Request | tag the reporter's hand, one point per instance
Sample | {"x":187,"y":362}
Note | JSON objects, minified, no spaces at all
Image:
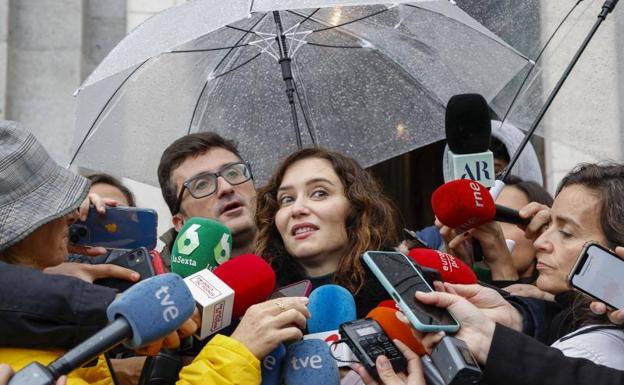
{"x":495,"y":252}
{"x":531,"y":291}
{"x":456,"y":244}
{"x":172,"y":340}
{"x":128,"y":370}
{"x":477,"y":330}
{"x":99,"y":202}
{"x":615,"y":316}
{"x":488,"y":301}
{"x":387,"y":376}
{"x":90,"y":273}
{"x":539,"y":215}
{"x":267,"y":324}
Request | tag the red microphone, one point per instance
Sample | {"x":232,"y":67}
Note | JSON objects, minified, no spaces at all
{"x":251,"y":278}
{"x":390,"y":303}
{"x":465,"y":204}
{"x":386,"y":317}
{"x":451,"y":269}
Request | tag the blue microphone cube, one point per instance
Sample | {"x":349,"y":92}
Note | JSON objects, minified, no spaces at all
{"x":153,"y":308}
{"x":309,"y":363}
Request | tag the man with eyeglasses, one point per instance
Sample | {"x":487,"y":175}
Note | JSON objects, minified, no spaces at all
{"x":203,"y":175}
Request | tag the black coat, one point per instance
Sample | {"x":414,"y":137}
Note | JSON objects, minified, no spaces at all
{"x":517,"y":359}
{"x":47,"y":311}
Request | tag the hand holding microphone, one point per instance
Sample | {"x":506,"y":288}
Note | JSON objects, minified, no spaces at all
{"x":265,"y":325}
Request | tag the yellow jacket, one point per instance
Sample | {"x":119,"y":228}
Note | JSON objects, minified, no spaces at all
{"x":223,"y":361}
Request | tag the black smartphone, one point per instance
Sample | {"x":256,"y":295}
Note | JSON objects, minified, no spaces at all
{"x":297,"y":289}
{"x":599,"y":273}
{"x":401,"y":279}
{"x":138,"y":260}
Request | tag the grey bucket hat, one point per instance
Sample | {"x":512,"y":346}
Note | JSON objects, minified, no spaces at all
{"x":34,"y":189}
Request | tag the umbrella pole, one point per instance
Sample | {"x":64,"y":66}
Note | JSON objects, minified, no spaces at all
{"x":607,"y":7}
{"x":285,"y":65}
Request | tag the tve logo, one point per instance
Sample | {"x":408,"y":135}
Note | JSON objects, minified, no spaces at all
{"x":170,"y":311}
{"x":298,"y":363}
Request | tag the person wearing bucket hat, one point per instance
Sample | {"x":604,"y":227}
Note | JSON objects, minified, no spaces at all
{"x":38,"y":202}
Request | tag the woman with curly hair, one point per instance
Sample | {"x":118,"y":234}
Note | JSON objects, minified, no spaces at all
{"x":317,"y":215}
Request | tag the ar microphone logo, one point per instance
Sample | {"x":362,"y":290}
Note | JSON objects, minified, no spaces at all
{"x":480,"y":167}
{"x":189,"y":241}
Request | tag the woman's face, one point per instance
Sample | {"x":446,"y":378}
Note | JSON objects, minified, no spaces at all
{"x":574,"y":220}
{"x":312,"y":212}
{"x":523,"y":254}
{"x":46,"y":246}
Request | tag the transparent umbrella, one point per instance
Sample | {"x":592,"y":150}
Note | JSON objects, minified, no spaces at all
{"x":366,"y":79}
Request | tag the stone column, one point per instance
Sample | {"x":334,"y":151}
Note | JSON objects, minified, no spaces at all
{"x":4,"y":35}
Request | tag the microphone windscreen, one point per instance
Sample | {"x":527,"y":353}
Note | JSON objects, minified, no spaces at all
{"x":463,"y":204}
{"x":467,"y":124}
{"x":251,"y":278}
{"x":272,"y":365}
{"x":390,"y":303}
{"x":451,"y":269}
{"x":153,"y":307}
{"x":330,"y":306}
{"x":396,"y":329}
{"x":309,"y":363}
{"x":201,"y":243}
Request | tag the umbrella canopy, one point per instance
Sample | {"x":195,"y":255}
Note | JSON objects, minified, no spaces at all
{"x":369,"y":80}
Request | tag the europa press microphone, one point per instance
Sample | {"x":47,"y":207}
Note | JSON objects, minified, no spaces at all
{"x":147,"y":311}
{"x":466,"y":204}
{"x":451,"y":269}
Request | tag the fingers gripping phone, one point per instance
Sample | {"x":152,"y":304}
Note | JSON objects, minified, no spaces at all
{"x":599,"y":273}
{"x":118,"y":228}
{"x":402,"y":279}
{"x":138,"y":260}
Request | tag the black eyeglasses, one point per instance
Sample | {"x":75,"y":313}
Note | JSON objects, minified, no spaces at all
{"x":205,"y":184}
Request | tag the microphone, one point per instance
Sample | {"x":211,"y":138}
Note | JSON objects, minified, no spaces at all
{"x":464,"y":204}
{"x":227,"y":292}
{"x":251,"y":278}
{"x":147,"y":311}
{"x":468,"y":132}
{"x":395,"y":329}
{"x":330,"y":306}
{"x":389,"y":303}
{"x":272,"y":365}
{"x":202,"y":243}
{"x":309,"y":363}
{"x":451,"y":269}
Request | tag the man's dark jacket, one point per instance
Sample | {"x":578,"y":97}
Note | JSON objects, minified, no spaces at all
{"x":42,"y":311}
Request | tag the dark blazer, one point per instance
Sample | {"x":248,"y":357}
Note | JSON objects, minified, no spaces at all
{"x":46,"y":311}
{"x":517,"y":359}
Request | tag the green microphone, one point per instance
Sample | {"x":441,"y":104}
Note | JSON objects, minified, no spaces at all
{"x":202,"y":243}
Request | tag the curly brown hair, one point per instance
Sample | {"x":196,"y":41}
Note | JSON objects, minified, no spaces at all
{"x":370,"y":224}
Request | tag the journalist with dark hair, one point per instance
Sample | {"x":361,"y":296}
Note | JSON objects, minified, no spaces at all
{"x":588,"y":206}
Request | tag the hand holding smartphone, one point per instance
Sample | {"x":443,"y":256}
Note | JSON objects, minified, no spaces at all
{"x":398,"y":275}
{"x":118,"y":228}
{"x":599,"y":273}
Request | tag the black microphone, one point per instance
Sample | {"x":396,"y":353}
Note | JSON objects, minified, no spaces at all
{"x":508,"y":215}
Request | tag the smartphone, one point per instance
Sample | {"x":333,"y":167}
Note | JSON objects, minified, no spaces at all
{"x":297,"y":289}
{"x":401,"y":279}
{"x":118,"y":228}
{"x":412,"y":240}
{"x":599,"y":273}
{"x":138,"y":260}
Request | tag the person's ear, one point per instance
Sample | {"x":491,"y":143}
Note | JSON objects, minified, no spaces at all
{"x":178,"y":221}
